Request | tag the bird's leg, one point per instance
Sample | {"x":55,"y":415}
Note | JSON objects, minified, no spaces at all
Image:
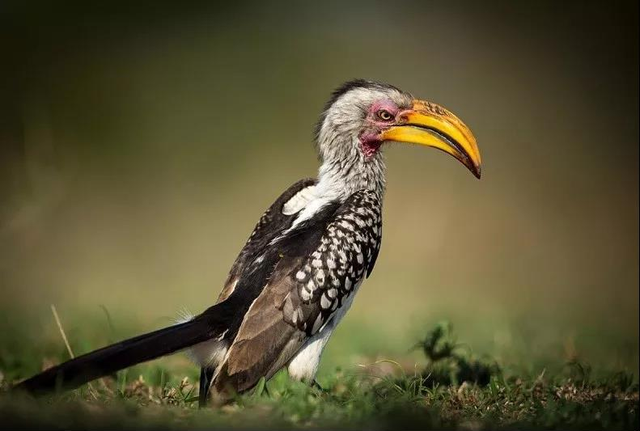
{"x":316,"y":385}
{"x":206,"y":375}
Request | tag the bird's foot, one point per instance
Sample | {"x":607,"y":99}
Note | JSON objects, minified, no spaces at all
{"x":315,"y":385}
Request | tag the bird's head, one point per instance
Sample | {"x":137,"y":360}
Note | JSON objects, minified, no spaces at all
{"x":362,"y":115}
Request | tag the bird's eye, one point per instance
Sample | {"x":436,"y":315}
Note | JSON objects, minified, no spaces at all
{"x":385,"y":115}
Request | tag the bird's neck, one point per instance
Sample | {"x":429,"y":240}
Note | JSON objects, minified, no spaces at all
{"x":339,"y":178}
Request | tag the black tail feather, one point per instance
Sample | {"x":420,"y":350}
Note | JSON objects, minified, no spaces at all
{"x":118,"y":356}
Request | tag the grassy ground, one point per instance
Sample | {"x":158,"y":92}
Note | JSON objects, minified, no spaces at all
{"x":442,"y":384}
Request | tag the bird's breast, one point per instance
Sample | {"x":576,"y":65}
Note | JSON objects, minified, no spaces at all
{"x":346,"y":253}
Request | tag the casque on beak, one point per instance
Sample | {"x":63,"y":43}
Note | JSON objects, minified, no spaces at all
{"x":434,"y":126}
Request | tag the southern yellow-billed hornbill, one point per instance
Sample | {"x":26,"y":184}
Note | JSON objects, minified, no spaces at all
{"x":296,"y":276}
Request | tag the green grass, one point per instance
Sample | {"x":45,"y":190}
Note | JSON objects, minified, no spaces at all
{"x":447,"y":386}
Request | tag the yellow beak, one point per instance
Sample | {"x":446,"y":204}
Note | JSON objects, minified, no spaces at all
{"x":434,"y":126}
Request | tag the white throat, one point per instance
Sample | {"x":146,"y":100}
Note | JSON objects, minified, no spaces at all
{"x":345,"y":169}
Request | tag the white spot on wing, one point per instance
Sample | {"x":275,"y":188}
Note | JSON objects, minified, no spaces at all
{"x":320,"y":277}
{"x":347,"y":283}
{"x":325,"y":302}
{"x":299,"y":201}
{"x":317,"y":324}
{"x":305,"y":295}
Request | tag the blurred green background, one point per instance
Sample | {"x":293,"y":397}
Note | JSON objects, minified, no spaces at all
{"x":140,"y":143}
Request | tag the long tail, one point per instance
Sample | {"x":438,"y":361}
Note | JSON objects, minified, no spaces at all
{"x":118,"y":356}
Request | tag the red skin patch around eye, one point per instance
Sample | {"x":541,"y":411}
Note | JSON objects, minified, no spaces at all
{"x":385,"y":105}
{"x":370,"y":138}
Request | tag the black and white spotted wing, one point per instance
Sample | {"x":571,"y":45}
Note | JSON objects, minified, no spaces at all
{"x":346,"y":253}
{"x":275,"y":319}
{"x":272,"y":224}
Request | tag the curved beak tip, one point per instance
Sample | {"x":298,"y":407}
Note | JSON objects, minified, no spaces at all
{"x":477,"y":171}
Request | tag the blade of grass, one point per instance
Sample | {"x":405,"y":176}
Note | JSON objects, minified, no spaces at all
{"x":66,"y":343}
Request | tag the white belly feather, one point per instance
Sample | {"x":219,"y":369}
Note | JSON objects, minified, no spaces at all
{"x":304,"y":364}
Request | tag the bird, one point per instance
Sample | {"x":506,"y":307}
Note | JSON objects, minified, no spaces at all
{"x":298,"y":273}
